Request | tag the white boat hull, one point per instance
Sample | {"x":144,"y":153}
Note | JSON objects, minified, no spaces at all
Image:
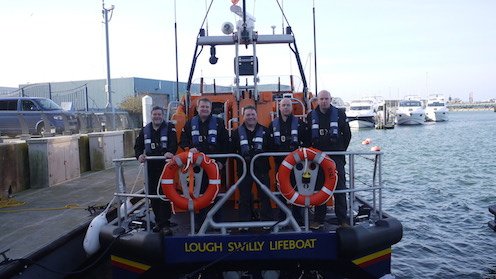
{"x":410,"y":119}
{"x":358,"y":123}
{"x":436,"y":115}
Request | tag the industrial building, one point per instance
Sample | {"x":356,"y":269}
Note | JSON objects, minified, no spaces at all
{"x":90,"y":95}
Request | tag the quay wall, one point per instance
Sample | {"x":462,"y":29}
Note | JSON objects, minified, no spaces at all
{"x":15,"y":157}
{"x":84,"y":153}
{"x":129,"y":138}
{"x":14,"y":168}
{"x":471,"y":108}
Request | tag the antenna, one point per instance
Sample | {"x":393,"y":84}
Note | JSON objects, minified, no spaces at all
{"x":206,"y":23}
{"x":427,"y":83}
{"x":282,"y":17}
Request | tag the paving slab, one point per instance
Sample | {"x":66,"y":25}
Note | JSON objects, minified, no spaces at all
{"x":50,"y":213}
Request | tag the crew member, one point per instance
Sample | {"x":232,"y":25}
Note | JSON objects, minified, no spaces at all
{"x":205,"y":133}
{"x":157,"y":138}
{"x":330,"y":132}
{"x":250,"y":139}
{"x":287,"y":133}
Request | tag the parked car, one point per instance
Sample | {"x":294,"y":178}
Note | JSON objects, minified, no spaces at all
{"x":33,"y":110}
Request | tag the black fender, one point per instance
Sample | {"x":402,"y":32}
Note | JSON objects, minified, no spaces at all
{"x":141,"y":246}
{"x":367,"y":238}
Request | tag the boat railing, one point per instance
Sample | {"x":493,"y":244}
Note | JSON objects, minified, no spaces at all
{"x":125,"y":207}
{"x":277,"y":113}
{"x":353,"y":179}
{"x":230,"y":128}
{"x":227,"y":84}
{"x":375,"y":187}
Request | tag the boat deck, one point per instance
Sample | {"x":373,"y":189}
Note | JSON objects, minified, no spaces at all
{"x":54,"y":213}
{"x":182,"y":223}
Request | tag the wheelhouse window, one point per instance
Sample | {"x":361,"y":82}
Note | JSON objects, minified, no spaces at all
{"x":360,"y":107}
{"x":410,"y":104}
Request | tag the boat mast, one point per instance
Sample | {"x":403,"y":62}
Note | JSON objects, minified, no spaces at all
{"x":245,"y":36}
{"x":315,"y":48}
{"x":201,"y":33}
{"x":175,"y":42}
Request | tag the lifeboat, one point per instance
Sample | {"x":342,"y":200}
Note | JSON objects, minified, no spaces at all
{"x":221,"y":246}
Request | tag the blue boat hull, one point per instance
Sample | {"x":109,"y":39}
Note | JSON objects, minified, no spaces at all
{"x":362,"y":251}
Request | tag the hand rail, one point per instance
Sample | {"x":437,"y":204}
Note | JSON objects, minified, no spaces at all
{"x":352,"y":189}
{"x":376,"y":189}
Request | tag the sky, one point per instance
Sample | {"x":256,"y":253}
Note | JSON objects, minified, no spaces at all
{"x":388,"y":48}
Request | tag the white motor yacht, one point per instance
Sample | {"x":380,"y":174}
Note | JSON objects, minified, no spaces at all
{"x":436,"y":110}
{"x":361,"y":114}
{"x":410,"y":112}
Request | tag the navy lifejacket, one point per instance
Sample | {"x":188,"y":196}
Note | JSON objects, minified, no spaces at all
{"x":257,"y":140}
{"x":333,"y":123}
{"x":148,"y":132}
{"x":276,"y":124}
{"x":195,"y":130}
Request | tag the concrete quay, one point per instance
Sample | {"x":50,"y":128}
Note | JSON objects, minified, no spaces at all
{"x":45,"y":162}
{"x":50,"y":214}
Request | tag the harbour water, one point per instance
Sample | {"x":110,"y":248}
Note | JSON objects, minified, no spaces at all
{"x":440,"y":178}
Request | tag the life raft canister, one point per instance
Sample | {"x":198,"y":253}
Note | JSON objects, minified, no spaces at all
{"x":312,"y":155}
{"x":175,"y":165}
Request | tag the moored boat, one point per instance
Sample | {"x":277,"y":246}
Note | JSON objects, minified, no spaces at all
{"x":410,"y":111}
{"x":492,"y":224}
{"x":436,"y":109}
{"x":227,"y":247}
{"x":361,"y":114}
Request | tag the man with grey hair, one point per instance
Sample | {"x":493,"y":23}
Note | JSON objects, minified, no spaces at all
{"x":330,"y":132}
{"x":157,"y":138}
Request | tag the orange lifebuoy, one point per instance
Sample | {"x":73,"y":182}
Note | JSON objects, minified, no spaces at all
{"x":170,"y":171}
{"x":328,"y":167}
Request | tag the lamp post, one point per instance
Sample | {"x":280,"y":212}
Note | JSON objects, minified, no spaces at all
{"x":108,"y":86}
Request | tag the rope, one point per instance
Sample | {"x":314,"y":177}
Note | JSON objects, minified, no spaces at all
{"x":305,"y":168}
{"x":159,"y":183}
{"x":4,"y":203}
{"x":67,"y":206}
{"x":140,"y":168}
